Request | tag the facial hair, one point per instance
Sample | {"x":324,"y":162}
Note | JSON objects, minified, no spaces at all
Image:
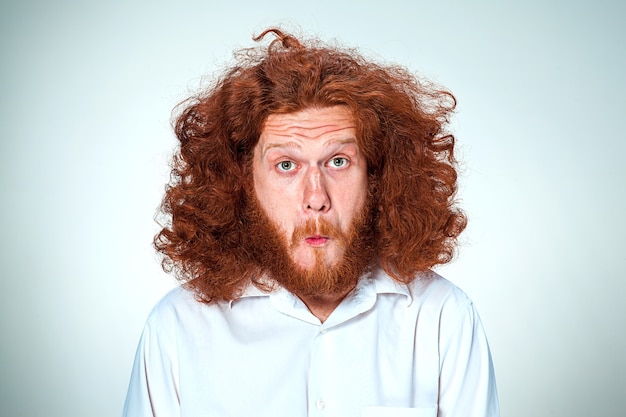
{"x":272,"y":252}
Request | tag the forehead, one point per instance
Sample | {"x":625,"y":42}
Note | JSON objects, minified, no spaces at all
{"x":312,"y":123}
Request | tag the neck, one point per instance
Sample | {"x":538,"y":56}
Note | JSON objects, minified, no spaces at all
{"x":321,"y":306}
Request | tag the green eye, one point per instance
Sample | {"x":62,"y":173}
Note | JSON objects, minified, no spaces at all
{"x":338,"y":162}
{"x":286,"y":166}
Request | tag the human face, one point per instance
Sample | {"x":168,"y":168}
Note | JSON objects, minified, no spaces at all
{"x":308,"y":169}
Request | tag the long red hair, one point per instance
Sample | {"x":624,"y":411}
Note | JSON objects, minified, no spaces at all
{"x":401,"y":122}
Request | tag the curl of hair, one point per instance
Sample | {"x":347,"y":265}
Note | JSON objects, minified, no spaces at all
{"x":401,"y":122}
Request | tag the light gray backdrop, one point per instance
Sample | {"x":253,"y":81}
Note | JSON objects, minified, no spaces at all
{"x":87,"y":90}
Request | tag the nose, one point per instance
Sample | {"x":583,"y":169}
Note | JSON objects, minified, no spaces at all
{"x":316,"y":198}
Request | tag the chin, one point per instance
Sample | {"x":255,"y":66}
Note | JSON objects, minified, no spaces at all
{"x":309,"y":258}
{"x":305,"y":258}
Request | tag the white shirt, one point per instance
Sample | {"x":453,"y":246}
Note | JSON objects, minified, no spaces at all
{"x":387,"y":350}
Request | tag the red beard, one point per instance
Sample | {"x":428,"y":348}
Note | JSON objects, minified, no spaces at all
{"x":271,"y":251}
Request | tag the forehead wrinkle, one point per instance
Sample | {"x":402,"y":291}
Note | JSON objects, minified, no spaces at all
{"x":291,"y":144}
{"x":303,"y":132}
{"x":295,"y":129}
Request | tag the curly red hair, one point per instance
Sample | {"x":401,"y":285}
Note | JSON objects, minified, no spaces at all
{"x":400,"y":129}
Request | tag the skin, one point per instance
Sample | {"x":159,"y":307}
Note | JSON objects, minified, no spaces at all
{"x":307,"y":165}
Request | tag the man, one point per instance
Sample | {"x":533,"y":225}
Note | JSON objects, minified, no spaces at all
{"x":311,"y":194}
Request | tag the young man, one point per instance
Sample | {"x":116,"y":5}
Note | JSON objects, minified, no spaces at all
{"x":311,"y":194}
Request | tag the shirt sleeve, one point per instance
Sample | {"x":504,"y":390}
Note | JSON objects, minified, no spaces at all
{"x":153,"y":388}
{"x":467,"y":379}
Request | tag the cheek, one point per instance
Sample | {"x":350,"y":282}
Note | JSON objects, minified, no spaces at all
{"x":266,"y":196}
{"x":359,"y":195}
{"x":273,"y":203}
{"x":280,"y":200}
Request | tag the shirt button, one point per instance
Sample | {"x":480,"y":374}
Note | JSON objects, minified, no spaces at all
{"x":323,"y":331}
{"x":320,"y":404}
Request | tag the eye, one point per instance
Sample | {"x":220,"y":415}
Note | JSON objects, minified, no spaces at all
{"x":338,"y":162}
{"x":286,"y":166}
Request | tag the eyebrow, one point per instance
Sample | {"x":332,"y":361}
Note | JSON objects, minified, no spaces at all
{"x":291,"y":144}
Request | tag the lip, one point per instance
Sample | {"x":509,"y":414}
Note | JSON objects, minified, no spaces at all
{"x":316,"y":241}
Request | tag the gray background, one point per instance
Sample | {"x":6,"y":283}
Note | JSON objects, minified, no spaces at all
{"x":87,"y":90}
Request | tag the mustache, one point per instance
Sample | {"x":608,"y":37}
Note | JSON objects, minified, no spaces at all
{"x":318,"y":227}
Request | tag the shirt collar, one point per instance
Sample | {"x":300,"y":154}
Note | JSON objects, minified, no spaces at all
{"x":252,"y":290}
{"x":374,"y":282}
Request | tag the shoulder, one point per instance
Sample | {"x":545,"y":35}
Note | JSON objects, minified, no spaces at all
{"x":433,"y":294}
{"x":175,"y":300}
{"x":429,"y":296}
{"x":180,"y":306}
{"x":431,"y":286}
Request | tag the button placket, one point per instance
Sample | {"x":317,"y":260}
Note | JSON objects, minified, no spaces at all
{"x":318,"y":373}
{"x":320,"y":404}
